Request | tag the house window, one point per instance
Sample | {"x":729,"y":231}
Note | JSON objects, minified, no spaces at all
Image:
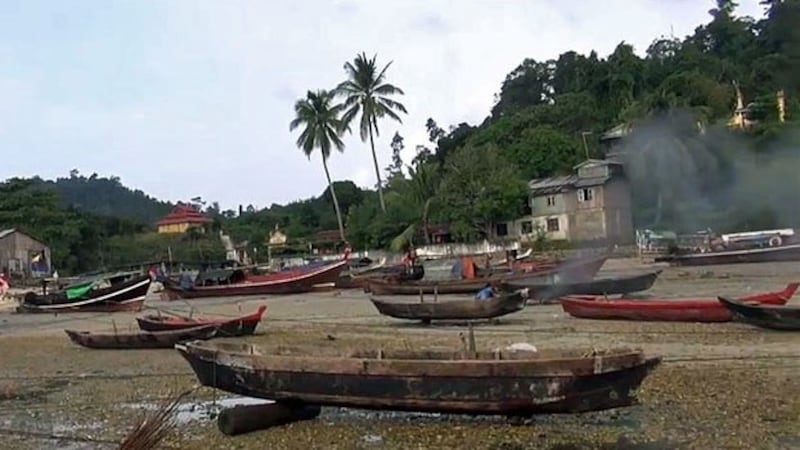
{"x":527,"y":207}
{"x":501,"y":229}
{"x":551,"y":200}
{"x":552,"y":225}
{"x":585,"y":195}
{"x":527,"y":227}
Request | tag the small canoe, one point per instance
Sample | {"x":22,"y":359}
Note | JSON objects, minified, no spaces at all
{"x":513,"y":383}
{"x":467,"y":309}
{"x":673,"y":310}
{"x":157,"y":339}
{"x":541,"y":289}
{"x":774,"y":317}
{"x":239,"y":326}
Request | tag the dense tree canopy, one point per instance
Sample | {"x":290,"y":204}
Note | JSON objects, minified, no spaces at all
{"x":688,"y":167}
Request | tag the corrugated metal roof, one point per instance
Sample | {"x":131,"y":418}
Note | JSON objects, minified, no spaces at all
{"x":552,"y":185}
{"x":7,"y":232}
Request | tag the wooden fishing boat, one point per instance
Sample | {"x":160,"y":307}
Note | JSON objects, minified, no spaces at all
{"x":522,"y":383}
{"x":755,"y":255}
{"x":103,"y":294}
{"x":544,"y":289}
{"x":774,"y":317}
{"x":238,"y":326}
{"x":467,"y":309}
{"x":394,"y":272}
{"x":674,"y":310}
{"x":141,"y":340}
{"x":239,"y":282}
{"x":583,"y":269}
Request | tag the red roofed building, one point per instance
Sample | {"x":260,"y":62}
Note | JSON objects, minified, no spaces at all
{"x":182,"y":218}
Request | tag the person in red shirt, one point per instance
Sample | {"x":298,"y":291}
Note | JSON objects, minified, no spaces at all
{"x":410,"y":258}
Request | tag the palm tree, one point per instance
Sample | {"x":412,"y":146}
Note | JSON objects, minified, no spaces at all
{"x":420,"y":190}
{"x":322,"y":127}
{"x":366,"y":92}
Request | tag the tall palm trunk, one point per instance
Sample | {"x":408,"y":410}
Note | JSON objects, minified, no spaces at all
{"x":377,"y":171}
{"x":333,"y":195}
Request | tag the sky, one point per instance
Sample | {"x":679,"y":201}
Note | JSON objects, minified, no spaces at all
{"x":187,"y":98}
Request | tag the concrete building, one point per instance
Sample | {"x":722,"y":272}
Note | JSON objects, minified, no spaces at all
{"x":594,"y":204}
{"x":23,"y":255}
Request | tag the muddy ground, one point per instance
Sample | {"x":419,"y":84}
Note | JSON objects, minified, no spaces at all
{"x":720,"y":385}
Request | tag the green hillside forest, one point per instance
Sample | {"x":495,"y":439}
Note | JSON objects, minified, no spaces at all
{"x":689,"y":167}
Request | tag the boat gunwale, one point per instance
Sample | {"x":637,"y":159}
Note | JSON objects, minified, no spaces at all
{"x":618,"y":359}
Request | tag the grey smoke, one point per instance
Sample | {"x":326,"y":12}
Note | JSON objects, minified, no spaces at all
{"x":685,"y":179}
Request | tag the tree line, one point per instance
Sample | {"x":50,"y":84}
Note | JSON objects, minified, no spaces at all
{"x":689,"y":168}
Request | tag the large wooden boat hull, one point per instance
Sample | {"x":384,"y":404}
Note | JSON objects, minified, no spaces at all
{"x":239,"y":326}
{"x":127,"y":296}
{"x":757,"y":255}
{"x":678,"y":310}
{"x":295,"y":284}
{"x":774,"y":317}
{"x":488,"y":384}
{"x":599,"y":286}
{"x":469,"y":309}
{"x":584,"y":269}
{"x":121,"y":341}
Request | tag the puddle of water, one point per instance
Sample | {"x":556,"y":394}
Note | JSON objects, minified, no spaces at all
{"x":194,"y":411}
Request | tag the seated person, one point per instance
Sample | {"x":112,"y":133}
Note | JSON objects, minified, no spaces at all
{"x":486,"y":293}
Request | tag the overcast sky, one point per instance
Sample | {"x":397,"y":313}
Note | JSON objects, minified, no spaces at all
{"x":185,"y":98}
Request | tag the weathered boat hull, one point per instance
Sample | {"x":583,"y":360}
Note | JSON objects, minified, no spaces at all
{"x":572,"y":270}
{"x":774,"y":317}
{"x":127,"y":296}
{"x":516,"y":388}
{"x":758,"y":255}
{"x":120,"y":341}
{"x":393,"y":273}
{"x":469,"y":309}
{"x":678,"y":310}
{"x":600,"y":286}
{"x":240,"y":326}
{"x":304,"y":282}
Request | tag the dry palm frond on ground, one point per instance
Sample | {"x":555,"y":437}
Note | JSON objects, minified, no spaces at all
{"x":154,"y":425}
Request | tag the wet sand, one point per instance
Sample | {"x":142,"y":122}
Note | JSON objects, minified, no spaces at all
{"x":720,"y":385}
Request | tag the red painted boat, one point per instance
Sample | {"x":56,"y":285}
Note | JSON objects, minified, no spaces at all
{"x":677,"y":310}
{"x":226,"y":326}
{"x":238,"y":282}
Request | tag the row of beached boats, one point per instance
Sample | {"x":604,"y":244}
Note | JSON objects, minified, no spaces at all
{"x":523,"y":380}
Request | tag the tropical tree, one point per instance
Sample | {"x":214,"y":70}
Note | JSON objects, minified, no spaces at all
{"x":318,"y":115}
{"x":367,"y":93}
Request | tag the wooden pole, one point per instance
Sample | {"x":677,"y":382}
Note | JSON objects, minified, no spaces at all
{"x":244,"y":419}
{"x":472,"y":350}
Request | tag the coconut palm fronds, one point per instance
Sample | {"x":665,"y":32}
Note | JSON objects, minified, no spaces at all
{"x":154,"y":426}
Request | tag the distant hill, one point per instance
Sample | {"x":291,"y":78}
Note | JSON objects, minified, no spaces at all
{"x":107,"y":197}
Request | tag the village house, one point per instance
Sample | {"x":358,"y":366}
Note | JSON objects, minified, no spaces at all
{"x":594,"y":204}
{"x":182,"y":218}
{"x":23,"y":255}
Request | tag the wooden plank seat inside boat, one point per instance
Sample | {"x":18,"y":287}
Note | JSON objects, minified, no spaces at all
{"x":448,"y":382}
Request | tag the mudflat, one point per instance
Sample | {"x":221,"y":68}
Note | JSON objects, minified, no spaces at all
{"x":724,"y":385}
